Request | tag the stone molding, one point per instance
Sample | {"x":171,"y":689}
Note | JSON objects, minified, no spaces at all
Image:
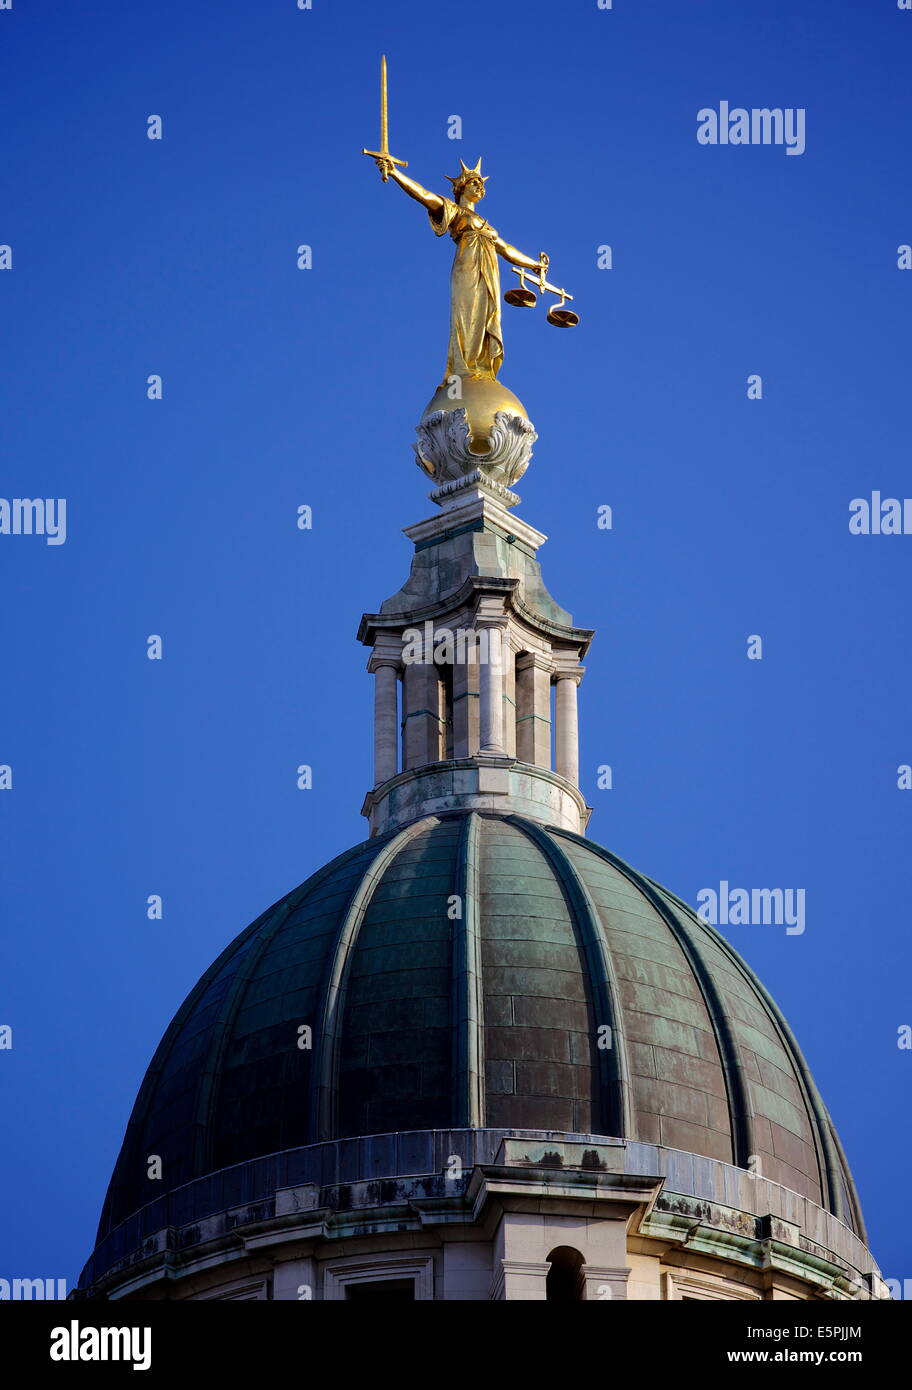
{"x":713,"y":1212}
{"x":680,"y":1284}
{"x":358,"y":1269}
{"x":476,"y":486}
{"x":485,"y":782}
{"x":372,"y":625}
{"x":478,"y":504}
{"x":444,"y":449}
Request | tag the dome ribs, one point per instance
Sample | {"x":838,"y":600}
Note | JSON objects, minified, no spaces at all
{"x":328,"y":1032}
{"x":613,"y":1069}
{"x":397,"y":1029}
{"x":211,"y":1071}
{"x":539,"y":1016}
{"x":456,"y":972}
{"x":129,"y":1189}
{"x":834,"y":1169}
{"x":468,"y":997}
{"x":736,"y":1086}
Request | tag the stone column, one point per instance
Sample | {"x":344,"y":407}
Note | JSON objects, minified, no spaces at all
{"x":421,"y":714}
{"x":386,"y":717}
{"x":465,"y":705}
{"x":566,"y":729}
{"x":509,"y":695}
{"x":533,"y":709}
{"x":490,"y":688}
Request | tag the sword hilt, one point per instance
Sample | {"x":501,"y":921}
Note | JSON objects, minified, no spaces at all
{"x":385,"y":154}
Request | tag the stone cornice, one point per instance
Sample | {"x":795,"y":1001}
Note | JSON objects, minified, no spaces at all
{"x":535,"y":1171}
{"x":486,"y":782}
{"x":477,"y":507}
{"x":738,"y":1237}
{"x":373,"y":624}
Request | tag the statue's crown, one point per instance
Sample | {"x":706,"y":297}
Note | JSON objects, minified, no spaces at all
{"x":462,"y":178}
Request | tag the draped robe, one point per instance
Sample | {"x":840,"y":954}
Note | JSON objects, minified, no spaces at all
{"x":476,"y":337}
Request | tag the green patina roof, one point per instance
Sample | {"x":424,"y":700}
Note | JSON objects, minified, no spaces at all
{"x":461,"y":972}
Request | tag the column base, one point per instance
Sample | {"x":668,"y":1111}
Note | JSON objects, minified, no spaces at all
{"x":487,"y":782}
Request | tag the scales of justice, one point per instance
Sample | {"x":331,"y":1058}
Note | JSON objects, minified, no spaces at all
{"x":474,"y":428}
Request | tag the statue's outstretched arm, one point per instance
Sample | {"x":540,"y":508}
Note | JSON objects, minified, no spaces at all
{"x":432,"y":201}
{"x":515,"y":257}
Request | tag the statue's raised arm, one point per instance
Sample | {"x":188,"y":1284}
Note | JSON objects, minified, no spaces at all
{"x":432,"y":201}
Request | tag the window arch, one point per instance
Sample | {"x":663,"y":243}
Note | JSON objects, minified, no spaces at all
{"x":565,"y":1282}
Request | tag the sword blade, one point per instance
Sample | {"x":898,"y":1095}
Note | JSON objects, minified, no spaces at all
{"x":384,"y":114}
{"x":384,"y":151}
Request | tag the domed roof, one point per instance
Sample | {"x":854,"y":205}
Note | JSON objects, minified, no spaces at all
{"x":477,"y":969}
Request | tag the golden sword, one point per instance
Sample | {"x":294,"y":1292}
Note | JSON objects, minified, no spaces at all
{"x":383,"y":152}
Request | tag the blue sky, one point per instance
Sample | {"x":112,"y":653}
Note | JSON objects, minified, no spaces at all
{"x":285,"y":387}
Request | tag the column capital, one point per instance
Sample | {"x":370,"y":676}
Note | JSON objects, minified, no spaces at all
{"x":571,"y":673}
{"x":377,"y":660}
{"x":489,"y":611}
{"x":537,"y":661}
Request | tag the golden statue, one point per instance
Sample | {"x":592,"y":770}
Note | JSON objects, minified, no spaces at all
{"x":476,"y":339}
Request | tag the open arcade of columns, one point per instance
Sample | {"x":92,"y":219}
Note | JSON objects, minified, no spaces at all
{"x":476,"y":669}
{"x":495,"y":700}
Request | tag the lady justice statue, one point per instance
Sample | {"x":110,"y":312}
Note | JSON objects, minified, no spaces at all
{"x":475,"y":352}
{"x":476,"y":341}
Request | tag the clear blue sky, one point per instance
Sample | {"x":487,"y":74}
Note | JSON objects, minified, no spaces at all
{"x":284,"y":387}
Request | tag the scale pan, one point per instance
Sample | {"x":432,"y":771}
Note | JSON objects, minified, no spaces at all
{"x":563,"y":318}
{"x":523,"y":299}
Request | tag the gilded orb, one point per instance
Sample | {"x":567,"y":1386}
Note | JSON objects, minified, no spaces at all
{"x":481,"y":399}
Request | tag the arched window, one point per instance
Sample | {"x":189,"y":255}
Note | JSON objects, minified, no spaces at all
{"x":566,"y":1281}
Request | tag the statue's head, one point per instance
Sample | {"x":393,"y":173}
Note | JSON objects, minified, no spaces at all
{"x":469,"y":182}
